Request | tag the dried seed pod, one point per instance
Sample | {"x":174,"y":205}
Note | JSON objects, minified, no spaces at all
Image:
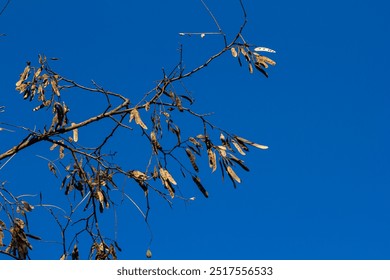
{"x":138,"y":175}
{"x":233,"y":51}
{"x":238,"y":147}
{"x":250,"y":68}
{"x":147,"y":106}
{"x":200,"y":186}
{"x":75,"y":253}
{"x":156,"y":146}
{"x":27,"y":207}
{"x":167,"y":180}
{"x":75,"y":133}
{"x":193,"y":141}
{"x":37,"y":72}
{"x":192,"y":158}
{"x":54,"y":85}
{"x":243,"y":51}
{"x":52,"y":168}
{"x":23,"y":75}
{"x":232,"y":174}
{"x":212,"y":159}
{"x":243,"y":140}
{"x":148,"y":253}
{"x":53,"y":146}
{"x":167,"y":176}
{"x":264,"y":49}
{"x":60,"y":114}
{"x":62,"y":149}
{"x":258,"y":67}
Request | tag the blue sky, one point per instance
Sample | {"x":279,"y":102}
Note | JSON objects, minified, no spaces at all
{"x":322,"y":189}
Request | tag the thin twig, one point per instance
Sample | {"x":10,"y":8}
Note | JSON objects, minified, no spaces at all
{"x":5,"y":7}
{"x":215,"y":21}
{"x":8,"y":160}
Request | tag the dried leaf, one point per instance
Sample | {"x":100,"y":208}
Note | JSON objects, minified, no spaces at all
{"x":233,"y":51}
{"x":192,"y":158}
{"x":135,"y":115}
{"x":232,"y":174}
{"x":200,"y":186}
{"x":243,"y":140}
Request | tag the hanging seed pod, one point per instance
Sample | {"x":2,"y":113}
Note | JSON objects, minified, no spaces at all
{"x":233,"y":51}
{"x":200,"y":186}
{"x":148,"y":253}
{"x":192,"y":158}
{"x":75,"y":133}
{"x":232,"y":174}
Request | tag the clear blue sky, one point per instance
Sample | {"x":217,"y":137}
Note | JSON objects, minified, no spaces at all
{"x":321,"y":191}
